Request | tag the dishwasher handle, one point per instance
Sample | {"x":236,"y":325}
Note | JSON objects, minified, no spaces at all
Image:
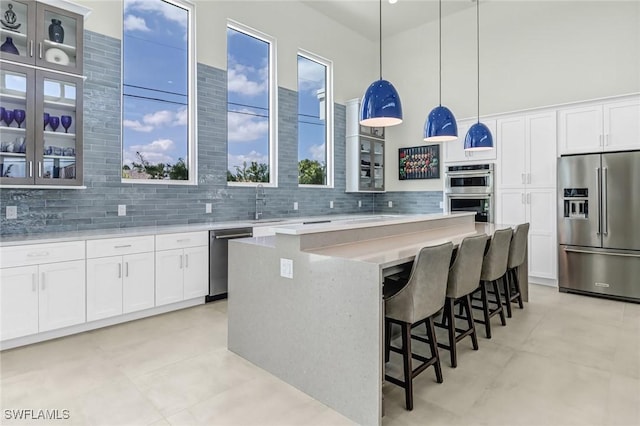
{"x":232,"y":236}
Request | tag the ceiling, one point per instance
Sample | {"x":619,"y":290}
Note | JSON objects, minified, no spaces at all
{"x":363,"y":15}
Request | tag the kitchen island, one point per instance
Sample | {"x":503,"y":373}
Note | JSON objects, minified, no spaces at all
{"x":306,"y":303}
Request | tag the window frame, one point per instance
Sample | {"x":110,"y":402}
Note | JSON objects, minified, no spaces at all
{"x":329,"y":134}
{"x":273,"y":104}
{"x":192,"y":107}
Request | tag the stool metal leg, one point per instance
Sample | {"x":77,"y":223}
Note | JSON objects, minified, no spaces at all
{"x":507,"y":293}
{"x":449,"y":308}
{"x":387,"y":339}
{"x":500,"y":309}
{"x":470,"y":323}
{"x":433,"y":345}
{"x":485,"y":310}
{"x":408,"y":371}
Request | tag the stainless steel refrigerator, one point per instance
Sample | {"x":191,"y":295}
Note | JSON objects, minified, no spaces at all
{"x":599,"y":224}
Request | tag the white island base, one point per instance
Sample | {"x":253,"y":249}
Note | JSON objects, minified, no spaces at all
{"x":322,"y":330}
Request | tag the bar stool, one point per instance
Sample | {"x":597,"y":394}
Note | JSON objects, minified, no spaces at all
{"x":417,"y":302}
{"x":494,"y":267}
{"x":464,"y":275}
{"x":517,"y":253}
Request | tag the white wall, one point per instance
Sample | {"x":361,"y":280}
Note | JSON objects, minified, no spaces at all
{"x":533,"y":53}
{"x":293,"y":24}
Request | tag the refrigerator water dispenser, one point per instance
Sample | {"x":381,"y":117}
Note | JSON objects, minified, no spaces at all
{"x":576,"y":203}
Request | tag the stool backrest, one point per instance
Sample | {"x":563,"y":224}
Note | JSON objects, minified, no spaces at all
{"x":464,"y":274}
{"x":495,"y":260}
{"x":425,"y":292}
{"x":518,"y":247}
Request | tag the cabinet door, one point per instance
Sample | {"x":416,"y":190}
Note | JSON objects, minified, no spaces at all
{"x":541,"y":214}
{"x":18,"y":24}
{"x":196,"y":272}
{"x":454,"y":151}
{"x":59,"y":146}
{"x":512,"y":172}
{"x":489,"y":154}
{"x":366,"y":164}
{"x":104,"y":287}
{"x":60,"y":36}
{"x":511,"y":206}
{"x":169,"y":276}
{"x":18,"y":302}
{"x":580,"y":129}
{"x":541,"y":150}
{"x":139,"y":282}
{"x":378,"y":166}
{"x":622,"y":125}
{"x":62,"y":294}
{"x":17,"y":138}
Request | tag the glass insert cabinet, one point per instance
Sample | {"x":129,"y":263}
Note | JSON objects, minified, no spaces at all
{"x":40,"y":131}
{"x":39,"y":34}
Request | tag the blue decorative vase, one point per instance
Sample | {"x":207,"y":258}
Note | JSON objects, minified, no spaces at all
{"x":9,"y":47}
{"x":56,"y":32}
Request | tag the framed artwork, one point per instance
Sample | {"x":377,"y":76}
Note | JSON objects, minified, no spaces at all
{"x":420,"y":162}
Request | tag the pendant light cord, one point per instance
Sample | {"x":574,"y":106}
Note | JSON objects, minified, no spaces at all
{"x":440,"y":50}
{"x":478,"y":51}
{"x":380,"y":32}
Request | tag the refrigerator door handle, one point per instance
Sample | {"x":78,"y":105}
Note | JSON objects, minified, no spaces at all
{"x":571,"y":250}
{"x":605,"y":202}
{"x":598,"y":200}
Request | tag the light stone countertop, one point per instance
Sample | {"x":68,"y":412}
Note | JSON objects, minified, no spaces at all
{"x":58,"y":237}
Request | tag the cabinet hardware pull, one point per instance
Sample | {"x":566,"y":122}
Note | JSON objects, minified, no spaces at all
{"x":522,"y":178}
{"x":30,"y":168}
{"x":126,"y":269}
{"x":39,"y":169}
{"x":119,"y":270}
{"x":38,"y":254}
{"x":184,"y":240}
{"x":123,"y":246}
{"x":529,"y":198}
{"x":42,"y":281}
{"x":607,"y":139}
{"x":31,"y":48}
{"x":522,"y":196}
{"x":186,"y":260}
{"x":180,"y":261}
{"x":528,"y":177}
{"x":40,"y":49}
{"x":34,"y":284}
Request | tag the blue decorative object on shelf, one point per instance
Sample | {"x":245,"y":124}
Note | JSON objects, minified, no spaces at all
{"x":441,"y":125}
{"x":9,"y":47}
{"x":478,"y":138}
{"x":56,"y":32}
{"x":381,"y":105}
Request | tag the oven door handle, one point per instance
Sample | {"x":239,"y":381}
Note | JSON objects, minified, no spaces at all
{"x":480,"y":196}
{"x":468,"y":174}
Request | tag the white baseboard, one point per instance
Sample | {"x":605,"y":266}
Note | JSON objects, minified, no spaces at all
{"x":543,"y":281}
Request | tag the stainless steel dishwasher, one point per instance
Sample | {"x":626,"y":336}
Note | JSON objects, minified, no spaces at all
{"x":218,"y":259}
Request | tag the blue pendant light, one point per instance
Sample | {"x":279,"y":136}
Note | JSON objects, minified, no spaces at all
{"x":441,"y":124}
{"x":381,"y":106}
{"x":479,"y":136}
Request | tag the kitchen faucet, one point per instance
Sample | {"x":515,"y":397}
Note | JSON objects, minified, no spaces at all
{"x":260,"y":197}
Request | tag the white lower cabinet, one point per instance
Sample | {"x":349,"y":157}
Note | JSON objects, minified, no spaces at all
{"x":122,"y":283}
{"x":182,"y":267}
{"x":538,"y":207}
{"x":40,"y":298}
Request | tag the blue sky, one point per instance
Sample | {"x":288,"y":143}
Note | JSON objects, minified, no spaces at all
{"x":155,"y":60}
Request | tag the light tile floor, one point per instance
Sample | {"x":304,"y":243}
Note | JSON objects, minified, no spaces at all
{"x":564,"y":360}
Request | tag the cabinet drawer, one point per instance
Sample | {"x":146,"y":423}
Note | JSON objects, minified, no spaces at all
{"x":181,"y":240}
{"x":119,"y":246}
{"x":34,"y":254}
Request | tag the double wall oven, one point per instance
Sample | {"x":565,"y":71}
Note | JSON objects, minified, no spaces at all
{"x":469,"y":188}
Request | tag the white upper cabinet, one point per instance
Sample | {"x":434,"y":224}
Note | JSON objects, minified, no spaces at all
{"x":454,"y":151}
{"x":608,"y":126}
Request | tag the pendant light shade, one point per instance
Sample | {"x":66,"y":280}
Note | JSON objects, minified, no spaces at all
{"x":441,"y":124}
{"x":479,"y":136}
{"x":381,"y":106}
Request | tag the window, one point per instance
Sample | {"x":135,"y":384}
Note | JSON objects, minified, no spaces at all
{"x":315,"y":113}
{"x":251,"y":112}
{"x":158,"y":92}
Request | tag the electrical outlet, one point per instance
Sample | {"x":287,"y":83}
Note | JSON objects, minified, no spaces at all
{"x":12,"y":212}
{"x":390,"y":203}
{"x":122,"y":209}
{"x":286,"y":268}
{"x":359,"y":203}
{"x":295,"y":205}
{"x":207,"y":208}
{"x":330,"y":204}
